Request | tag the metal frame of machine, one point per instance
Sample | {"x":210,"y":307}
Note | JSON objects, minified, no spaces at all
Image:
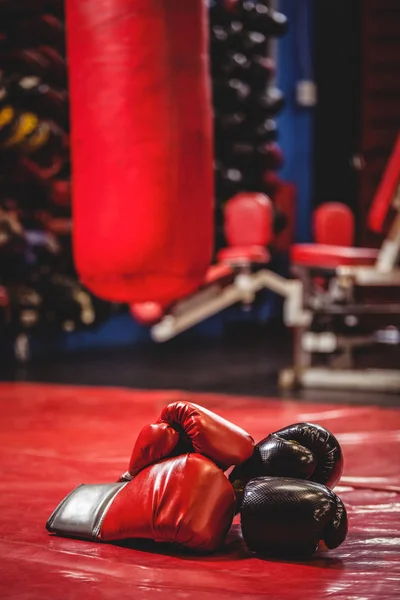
{"x":316,"y":300}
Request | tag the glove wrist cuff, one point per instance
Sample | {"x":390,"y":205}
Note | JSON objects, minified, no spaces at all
{"x":82,"y":512}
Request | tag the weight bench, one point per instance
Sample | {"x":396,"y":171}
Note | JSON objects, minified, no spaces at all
{"x":351,"y":295}
{"x":239,"y":274}
{"x":342,"y":298}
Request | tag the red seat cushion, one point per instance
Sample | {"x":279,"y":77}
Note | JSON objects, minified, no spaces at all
{"x":333,"y":224}
{"x":248,"y":219}
{"x":216,"y":272}
{"x":330,"y":257}
{"x":238,"y":254}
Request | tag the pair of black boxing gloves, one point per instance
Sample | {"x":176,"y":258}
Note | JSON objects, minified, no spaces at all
{"x":176,"y":489}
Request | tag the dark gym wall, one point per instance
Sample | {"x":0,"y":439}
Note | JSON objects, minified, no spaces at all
{"x":357,"y":120}
{"x":337,"y":116}
{"x":380,"y":97}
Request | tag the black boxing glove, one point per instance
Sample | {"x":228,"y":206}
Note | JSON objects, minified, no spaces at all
{"x":302,"y":450}
{"x":286,"y":517}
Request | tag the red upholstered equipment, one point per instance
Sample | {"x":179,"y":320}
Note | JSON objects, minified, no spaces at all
{"x":386,"y":191}
{"x":333,"y":224}
{"x":147,"y":313}
{"x":218,"y":272}
{"x":141,"y":146}
{"x":248,"y":254}
{"x":248,"y":228}
{"x":330,"y":257}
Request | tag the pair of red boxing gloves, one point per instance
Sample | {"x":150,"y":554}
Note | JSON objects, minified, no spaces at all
{"x":176,"y":490}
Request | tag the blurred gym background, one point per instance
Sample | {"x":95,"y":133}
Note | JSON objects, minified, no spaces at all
{"x":325,"y":112}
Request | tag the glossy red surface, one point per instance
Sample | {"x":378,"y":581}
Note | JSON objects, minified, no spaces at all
{"x":330,"y":257}
{"x":238,"y":254}
{"x":55,"y":437}
{"x":248,"y":220}
{"x":333,"y":224}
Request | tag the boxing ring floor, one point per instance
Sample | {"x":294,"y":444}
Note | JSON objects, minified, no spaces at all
{"x":53,"y":438}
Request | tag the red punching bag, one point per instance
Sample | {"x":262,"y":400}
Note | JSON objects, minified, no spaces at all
{"x":141,"y":143}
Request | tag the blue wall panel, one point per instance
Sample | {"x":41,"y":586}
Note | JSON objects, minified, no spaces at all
{"x":295,"y":53}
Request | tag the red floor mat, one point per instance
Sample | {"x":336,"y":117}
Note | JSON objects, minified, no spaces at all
{"x":55,"y":437}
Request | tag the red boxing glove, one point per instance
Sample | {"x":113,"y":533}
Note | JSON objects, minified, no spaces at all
{"x":185,"y":500}
{"x":185,"y":427}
